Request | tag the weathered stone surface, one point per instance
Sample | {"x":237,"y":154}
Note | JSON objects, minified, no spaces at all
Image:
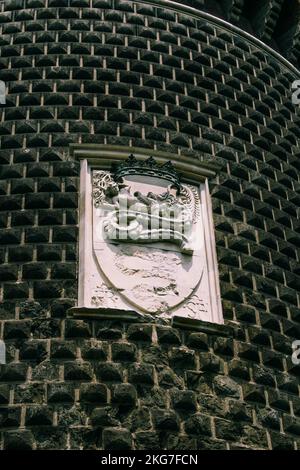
{"x":18,"y":440}
{"x":104,"y":417}
{"x":224,"y":385}
{"x":165,"y":420}
{"x":125,"y":395}
{"x":117,"y":439}
{"x":184,"y":400}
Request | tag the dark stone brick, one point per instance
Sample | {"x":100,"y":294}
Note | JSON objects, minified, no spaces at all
{"x":226,"y":386}
{"x":109,"y":372}
{"x":64,"y":234}
{"x":47,"y":289}
{"x":184,"y":401}
{"x":281,"y":442}
{"x":239,"y":369}
{"x":63,"y":271}
{"x":223,"y":346}
{"x":198,"y":424}
{"x":182,"y":358}
{"x":18,"y":440}
{"x":94,"y":350}
{"x":198,"y":341}
{"x":291,"y":424}
{"x":239,"y":411}
{"x":59,"y":307}
{"x":45,"y":371}
{"x":278,"y":400}
{"x":210,"y":362}
{"x":38,"y":416}
{"x":93,"y":393}
{"x":14,"y":372}
{"x":33,"y":350}
{"x":124,"y":395}
{"x":45,"y":328}
{"x":10,"y":417}
{"x":16,"y":329}
{"x":168,"y":379}
{"x":165,"y":420}
{"x":139,"y":332}
{"x":146,"y":440}
{"x":227,"y":430}
{"x":109,"y":331}
{"x":77,"y":329}
{"x":268,"y":418}
{"x":8,"y":272}
{"x":50,"y":438}
{"x":254,"y":393}
{"x":117,"y":439}
{"x":37,"y":235}
{"x":63,"y":349}
{"x":60,"y":393}
{"x":141,"y":374}
{"x":31,"y":309}
{"x":167,"y":335}
{"x":78,"y":371}
{"x":30,"y":393}
{"x":49,"y":252}
{"x":4,"y":393}
{"x":124,"y":352}
{"x":18,"y":290}
{"x":104,"y":417}
{"x":34,"y":271}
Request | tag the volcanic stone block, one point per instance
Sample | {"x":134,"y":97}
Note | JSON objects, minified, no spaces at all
{"x":125,"y":395}
{"x":18,"y":440}
{"x":117,"y":439}
{"x":198,"y":341}
{"x":10,"y":417}
{"x":139,"y":332}
{"x":94,"y":393}
{"x":109,"y":372}
{"x":38,"y":416}
{"x":78,"y":371}
{"x":165,"y":420}
{"x":141,"y":374}
{"x":124,"y":352}
{"x":184,"y":401}
{"x":30,"y":393}
{"x":198,"y":424}
{"x":63,"y":349}
{"x":77,"y":329}
{"x":16,"y":329}
{"x":167,"y":335}
{"x":34,"y":350}
{"x":182,"y":358}
{"x":104,"y":417}
{"x":4,"y":394}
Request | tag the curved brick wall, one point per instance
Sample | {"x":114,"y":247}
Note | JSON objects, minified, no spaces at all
{"x":130,"y":73}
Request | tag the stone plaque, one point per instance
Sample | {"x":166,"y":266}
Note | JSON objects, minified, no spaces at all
{"x":144,"y":240}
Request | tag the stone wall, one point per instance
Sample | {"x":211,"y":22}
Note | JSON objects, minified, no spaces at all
{"x":130,"y":73}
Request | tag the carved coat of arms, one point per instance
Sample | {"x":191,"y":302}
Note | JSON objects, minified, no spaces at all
{"x":147,"y":240}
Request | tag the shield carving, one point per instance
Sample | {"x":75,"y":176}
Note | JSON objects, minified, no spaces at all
{"x":146,"y":239}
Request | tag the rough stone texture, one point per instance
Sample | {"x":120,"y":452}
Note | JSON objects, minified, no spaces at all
{"x":131,"y":73}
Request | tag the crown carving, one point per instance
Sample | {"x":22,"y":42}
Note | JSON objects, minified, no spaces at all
{"x":148,"y":167}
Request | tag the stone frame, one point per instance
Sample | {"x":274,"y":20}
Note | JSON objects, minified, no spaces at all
{"x":197,"y":173}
